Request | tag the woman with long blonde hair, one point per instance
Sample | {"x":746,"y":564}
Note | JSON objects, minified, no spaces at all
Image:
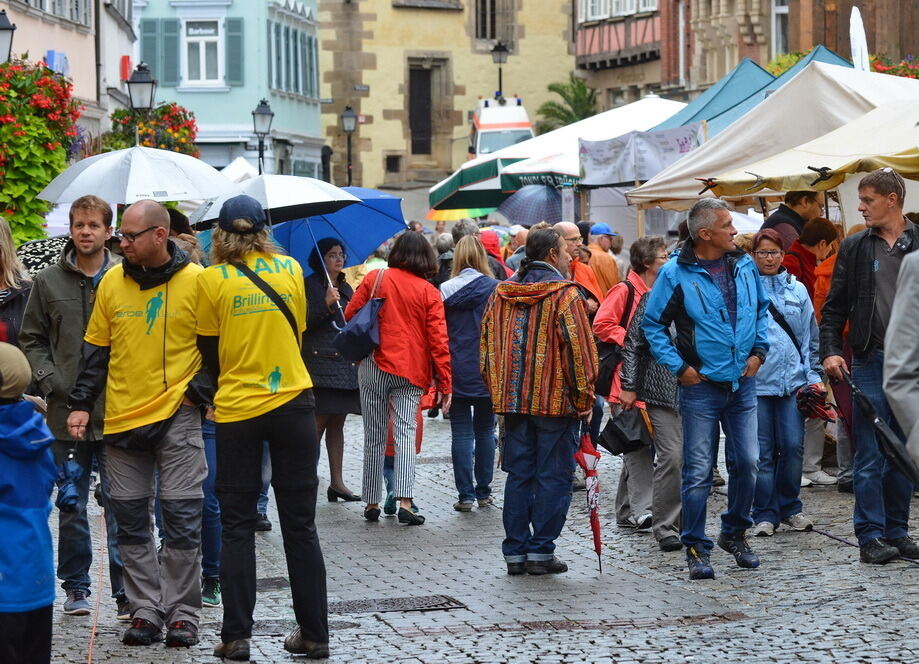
{"x":472,"y":420}
{"x":15,"y":286}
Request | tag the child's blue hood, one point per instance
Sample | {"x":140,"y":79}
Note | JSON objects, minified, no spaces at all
{"x":23,"y":434}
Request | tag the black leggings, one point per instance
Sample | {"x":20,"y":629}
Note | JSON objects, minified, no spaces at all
{"x":26,"y":637}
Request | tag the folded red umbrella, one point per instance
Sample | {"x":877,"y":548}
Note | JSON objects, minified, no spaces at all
{"x":588,"y":458}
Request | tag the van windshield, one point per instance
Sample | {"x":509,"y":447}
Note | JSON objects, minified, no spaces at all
{"x":491,"y":141}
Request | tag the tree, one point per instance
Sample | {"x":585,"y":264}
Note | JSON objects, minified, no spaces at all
{"x":578,"y":102}
{"x":38,"y":133}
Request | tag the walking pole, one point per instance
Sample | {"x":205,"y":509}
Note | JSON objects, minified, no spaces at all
{"x":327,"y":277}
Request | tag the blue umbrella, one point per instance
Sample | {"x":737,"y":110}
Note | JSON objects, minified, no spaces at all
{"x":531,"y":204}
{"x":361,"y":228}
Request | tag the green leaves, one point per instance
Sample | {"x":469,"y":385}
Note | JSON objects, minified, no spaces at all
{"x":578,"y":102}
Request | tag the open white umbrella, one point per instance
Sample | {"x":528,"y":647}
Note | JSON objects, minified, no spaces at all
{"x":138,"y":174}
{"x":284,"y":197}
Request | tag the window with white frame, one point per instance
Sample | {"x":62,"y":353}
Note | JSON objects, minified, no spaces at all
{"x":597,"y":9}
{"x":779,"y":27}
{"x":294,"y":60}
{"x":647,"y":5}
{"x":203,"y":57}
{"x":582,"y":11}
{"x":624,"y":7}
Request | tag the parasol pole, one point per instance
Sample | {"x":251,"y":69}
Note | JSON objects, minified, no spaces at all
{"x":326,"y":272}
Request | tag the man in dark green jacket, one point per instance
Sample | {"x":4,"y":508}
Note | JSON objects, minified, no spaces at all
{"x":52,"y":338}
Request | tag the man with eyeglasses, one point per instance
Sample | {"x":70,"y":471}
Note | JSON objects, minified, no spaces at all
{"x":140,"y":347}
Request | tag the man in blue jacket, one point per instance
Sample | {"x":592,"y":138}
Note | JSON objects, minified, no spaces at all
{"x":712,"y":292}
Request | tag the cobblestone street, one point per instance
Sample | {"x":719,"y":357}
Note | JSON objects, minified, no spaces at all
{"x":810,"y":601}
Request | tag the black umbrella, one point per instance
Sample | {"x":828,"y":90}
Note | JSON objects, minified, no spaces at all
{"x":888,"y":442}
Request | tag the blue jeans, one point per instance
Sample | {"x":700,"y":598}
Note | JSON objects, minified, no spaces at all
{"x":266,"y":480}
{"x":211,"y":529}
{"x":472,"y":423}
{"x":703,"y":406}
{"x":780,"y":429}
{"x":538,"y":460}
{"x":882,"y":493}
{"x":75,"y":547}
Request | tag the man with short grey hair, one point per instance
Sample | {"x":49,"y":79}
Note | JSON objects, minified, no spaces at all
{"x":713,"y":294}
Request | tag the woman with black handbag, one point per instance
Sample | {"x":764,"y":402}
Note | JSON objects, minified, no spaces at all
{"x":412,"y":340}
{"x":647,"y":254}
{"x":334,"y":377}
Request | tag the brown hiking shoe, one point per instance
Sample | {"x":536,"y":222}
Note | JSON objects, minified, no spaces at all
{"x":298,"y":645}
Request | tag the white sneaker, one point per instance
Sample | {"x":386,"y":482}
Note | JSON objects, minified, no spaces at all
{"x":799,"y":521}
{"x":820,"y":478}
{"x":763,"y":529}
{"x":805,"y":481}
{"x":644,"y":523}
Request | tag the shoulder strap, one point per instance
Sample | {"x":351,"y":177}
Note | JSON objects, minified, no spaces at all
{"x":630,"y":300}
{"x":376,"y":282}
{"x":272,"y":295}
{"x":780,"y":319}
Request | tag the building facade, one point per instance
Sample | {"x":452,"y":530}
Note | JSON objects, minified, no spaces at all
{"x":413,"y":71}
{"x":218,"y":58}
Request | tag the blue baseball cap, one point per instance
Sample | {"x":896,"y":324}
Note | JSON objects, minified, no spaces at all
{"x":602,"y":229}
{"x":241,"y":207}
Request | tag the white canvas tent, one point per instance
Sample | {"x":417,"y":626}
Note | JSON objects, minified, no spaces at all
{"x":818,"y":100}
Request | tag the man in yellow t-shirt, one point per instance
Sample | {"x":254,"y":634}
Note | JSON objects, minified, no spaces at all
{"x":263,"y":394}
{"x":140,"y":346}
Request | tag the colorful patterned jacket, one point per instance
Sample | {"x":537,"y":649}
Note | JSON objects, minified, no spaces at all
{"x":537,"y":352}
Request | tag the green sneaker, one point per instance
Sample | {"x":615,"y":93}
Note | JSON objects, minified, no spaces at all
{"x":389,"y":505}
{"x":210,"y":592}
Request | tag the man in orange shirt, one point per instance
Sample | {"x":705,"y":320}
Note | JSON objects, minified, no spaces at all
{"x":602,"y":262}
{"x":580,"y":273}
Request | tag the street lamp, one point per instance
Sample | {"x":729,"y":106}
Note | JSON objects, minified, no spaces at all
{"x":348,"y":125}
{"x":261,"y":125}
{"x":499,"y":57}
{"x":141,"y":94}
{"x":6,"y":37}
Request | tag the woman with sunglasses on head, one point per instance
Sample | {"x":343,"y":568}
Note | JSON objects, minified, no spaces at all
{"x":793,"y":363}
{"x":334,"y":377}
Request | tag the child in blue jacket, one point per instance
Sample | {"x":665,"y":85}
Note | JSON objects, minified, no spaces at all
{"x":27,"y":474}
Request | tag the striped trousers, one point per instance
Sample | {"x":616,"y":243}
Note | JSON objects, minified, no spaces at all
{"x":380,"y":390}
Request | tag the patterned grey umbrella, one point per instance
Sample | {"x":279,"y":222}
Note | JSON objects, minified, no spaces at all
{"x":531,"y":204}
{"x":39,"y":254}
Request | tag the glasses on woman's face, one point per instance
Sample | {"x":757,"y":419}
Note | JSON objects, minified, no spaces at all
{"x":336,"y":256}
{"x":767,"y":253}
{"x":663,"y":257}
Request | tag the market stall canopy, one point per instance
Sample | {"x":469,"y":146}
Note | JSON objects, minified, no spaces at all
{"x":821,"y":53}
{"x":741,"y":82}
{"x":886,"y":136}
{"x":818,"y":100}
{"x":477,"y":182}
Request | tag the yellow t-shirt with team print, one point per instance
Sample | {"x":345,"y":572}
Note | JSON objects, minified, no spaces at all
{"x":260,"y":363}
{"x":153,"y":350}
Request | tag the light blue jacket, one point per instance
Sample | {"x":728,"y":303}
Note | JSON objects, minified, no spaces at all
{"x":785,"y":372}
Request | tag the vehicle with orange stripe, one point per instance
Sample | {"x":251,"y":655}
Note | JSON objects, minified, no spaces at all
{"x":498,"y":123}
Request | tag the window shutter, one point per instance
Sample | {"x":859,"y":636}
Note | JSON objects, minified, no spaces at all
{"x":150,"y":43}
{"x":307,"y":66}
{"x":234,"y":52}
{"x":168,"y":74}
{"x":314,"y":49}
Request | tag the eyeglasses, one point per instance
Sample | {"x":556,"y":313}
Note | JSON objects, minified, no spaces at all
{"x":578,"y":239}
{"x":337,"y":256}
{"x":131,"y":237}
{"x":767,"y":254}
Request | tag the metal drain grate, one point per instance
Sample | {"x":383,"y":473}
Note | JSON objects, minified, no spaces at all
{"x":385,"y":604}
{"x":433,"y":460}
{"x":272,"y":583}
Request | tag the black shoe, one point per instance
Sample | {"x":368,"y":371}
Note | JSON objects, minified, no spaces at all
{"x":551,"y":566}
{"x":262,"y":524}
{"x":845,"y":486}
{"x":876,"y":552}
{"x":238,"y":650}
{"x":906,"y":546}
{"x":434,"y":412}
{"x":738,"y":547}
{"x":513,"y":569}
{"x":699,"y":565}
{"x":334,"y":495}
{"x":142,"y":632}
{"x":181,"y":634}
{"x":410,"y":518}
{"x":670,"y":543}
{"x":372,"y":513}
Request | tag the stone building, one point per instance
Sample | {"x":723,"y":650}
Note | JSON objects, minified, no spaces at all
{"x":413,"y":71}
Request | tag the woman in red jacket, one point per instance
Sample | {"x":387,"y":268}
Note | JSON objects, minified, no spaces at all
{"x":413,"y":338}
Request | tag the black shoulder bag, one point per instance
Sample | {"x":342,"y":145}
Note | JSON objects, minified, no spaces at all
{"x":273,"y":296}
{"x":783,"y":323}
{"x":610,"y":354}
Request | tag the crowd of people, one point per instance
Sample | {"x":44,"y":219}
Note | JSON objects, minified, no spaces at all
{"x":189,"y":387}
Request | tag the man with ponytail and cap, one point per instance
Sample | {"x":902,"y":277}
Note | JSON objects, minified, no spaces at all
{"x":251,"y":318}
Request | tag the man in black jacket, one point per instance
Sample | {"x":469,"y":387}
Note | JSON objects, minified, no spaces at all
{"x":861,"y":294}
{"x":799,"y":208}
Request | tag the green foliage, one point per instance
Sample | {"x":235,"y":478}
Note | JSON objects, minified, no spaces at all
{"x":578,"y":102}
{"x":908,"y":67}
{"x":167,"y":127}
{"x":37,"y":127}
{"x":783,"y":62}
